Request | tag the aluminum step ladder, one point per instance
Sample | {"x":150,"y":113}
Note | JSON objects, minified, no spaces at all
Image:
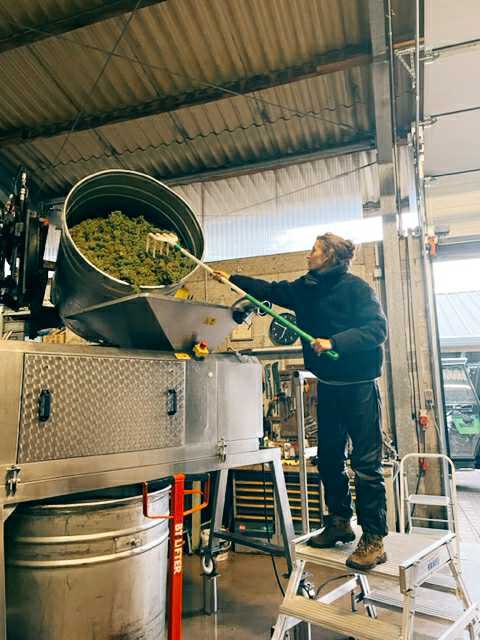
{"x":414,"y":561}
{"x":409,"y":501}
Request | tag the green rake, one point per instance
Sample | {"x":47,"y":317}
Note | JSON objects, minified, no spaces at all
{"x":161,"y":243}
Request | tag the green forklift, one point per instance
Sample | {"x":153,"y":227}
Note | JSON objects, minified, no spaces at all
{"x":462,"y":408}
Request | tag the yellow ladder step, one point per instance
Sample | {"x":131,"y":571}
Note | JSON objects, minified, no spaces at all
{"x":339,"y":620}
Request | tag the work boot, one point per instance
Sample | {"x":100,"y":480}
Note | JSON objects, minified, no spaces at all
{"x":336,"y":530}
{"x":368,"y":554}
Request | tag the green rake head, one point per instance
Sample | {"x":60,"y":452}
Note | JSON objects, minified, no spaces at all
{"x":159,"y":243}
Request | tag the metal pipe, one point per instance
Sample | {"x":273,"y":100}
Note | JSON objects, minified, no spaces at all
{"x":298,"y":379}
{"x":437,"y":52}
{"x":393,"y":110}
{"x":265,"y":352}
{"x":304,"y":375}
{"x":417,"y":78}
{"x":432,"y":320}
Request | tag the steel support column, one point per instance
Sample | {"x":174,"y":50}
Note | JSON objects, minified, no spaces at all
{"x":398,"y":362}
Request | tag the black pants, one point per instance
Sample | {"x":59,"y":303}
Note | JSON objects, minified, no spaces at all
{"x":352,"y":410}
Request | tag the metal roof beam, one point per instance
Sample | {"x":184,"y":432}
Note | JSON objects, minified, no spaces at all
{"x":364,"y":144}
{"x":277,"y":162}
{"x":323,"y":64}
{"x":106,"y":10}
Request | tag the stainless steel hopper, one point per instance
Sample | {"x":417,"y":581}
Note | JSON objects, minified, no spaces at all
{"x":153,"y":321}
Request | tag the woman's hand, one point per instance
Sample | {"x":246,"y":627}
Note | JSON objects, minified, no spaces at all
{"x":321,"y":344}
{"x":218,"y":275}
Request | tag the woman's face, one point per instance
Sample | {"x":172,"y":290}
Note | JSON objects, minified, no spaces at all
{"x":316,"y":258}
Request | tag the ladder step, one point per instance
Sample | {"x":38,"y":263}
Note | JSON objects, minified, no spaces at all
{"x":433,"y":501}
{"x":400,"y":547}
{"x":339,"y":620}
{"x":440,"y":582}
{"x":334,"y":558}
{"x":426,"y":531}
{"x":396,"y":604}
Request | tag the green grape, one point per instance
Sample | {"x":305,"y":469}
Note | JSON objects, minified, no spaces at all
{"x":117,"y":245}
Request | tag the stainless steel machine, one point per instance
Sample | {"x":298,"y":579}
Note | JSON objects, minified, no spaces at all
{"x":139,"y":406}
{"x":70,"y":411}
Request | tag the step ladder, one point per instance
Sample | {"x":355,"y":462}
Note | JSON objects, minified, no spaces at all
{"x":414,"y":561}
{"x":409,"y":501}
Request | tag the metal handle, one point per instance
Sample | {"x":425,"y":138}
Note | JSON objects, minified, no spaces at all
{"x":199,"y":492}
{"x":171,"y":402}
{"x":186,"y":492}
{"x":44,"y":405}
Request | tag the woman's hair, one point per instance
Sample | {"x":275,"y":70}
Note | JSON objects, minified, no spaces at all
{"x":336,"y":249}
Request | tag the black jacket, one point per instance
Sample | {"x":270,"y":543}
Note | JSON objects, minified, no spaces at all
{"x":332,"y":304}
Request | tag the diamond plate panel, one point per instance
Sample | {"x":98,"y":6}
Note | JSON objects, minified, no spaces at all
{"x":99,"y":406}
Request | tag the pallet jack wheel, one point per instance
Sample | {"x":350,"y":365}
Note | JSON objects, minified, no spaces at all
{"x":208,"y":566}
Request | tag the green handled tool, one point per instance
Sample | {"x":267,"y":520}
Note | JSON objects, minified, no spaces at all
{"x":160,"y":243}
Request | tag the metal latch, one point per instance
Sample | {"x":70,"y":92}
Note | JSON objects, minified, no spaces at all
{"x":222,"y":450}
{"x":12,"y":479}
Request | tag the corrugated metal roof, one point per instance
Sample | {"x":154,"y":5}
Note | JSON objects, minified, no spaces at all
{"x":189,"y":43}
{"x":459,"y":319}
{"x":216,"y":135}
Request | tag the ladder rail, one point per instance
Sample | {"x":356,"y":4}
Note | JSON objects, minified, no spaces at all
{"x":466,"y":620}
{"x":450,"y":490}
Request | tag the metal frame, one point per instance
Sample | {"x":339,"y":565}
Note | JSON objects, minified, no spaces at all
{"x":217,"y":507}
{"x":450,"y":492}
{"x":415,"y":572}
{"x":283,"y":512}
{"x":285,"y":623}
{"x":389,"y":201}
{"x":215,"y":437}
{"x":138,"y":474}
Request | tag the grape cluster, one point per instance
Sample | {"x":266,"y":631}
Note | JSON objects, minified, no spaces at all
{"x":117,"y":245}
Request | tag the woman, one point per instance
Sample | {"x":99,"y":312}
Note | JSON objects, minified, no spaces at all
{"x":343,"y":310}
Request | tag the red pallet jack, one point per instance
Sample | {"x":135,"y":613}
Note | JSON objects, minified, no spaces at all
{"x":175,"y":559}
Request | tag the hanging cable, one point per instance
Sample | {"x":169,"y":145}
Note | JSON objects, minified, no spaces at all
{"x":415,"y":376}
{"x":47,"y":69}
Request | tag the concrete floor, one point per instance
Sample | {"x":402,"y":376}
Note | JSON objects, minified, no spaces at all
{"x":249,"y":596}
{"x":468,"y":488}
